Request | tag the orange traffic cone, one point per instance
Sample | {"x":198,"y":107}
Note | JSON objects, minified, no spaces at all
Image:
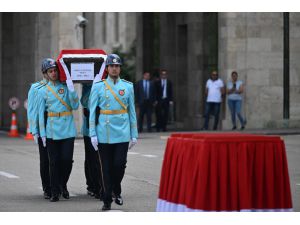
{"x":14,"y":127}
{"x":28,"y":134}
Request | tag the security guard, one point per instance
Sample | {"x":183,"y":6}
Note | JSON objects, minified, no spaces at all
{"x":92,"y":158}
{"x":116,"y":127}
{"x":32,"y":116}
{"x":58,"y":100}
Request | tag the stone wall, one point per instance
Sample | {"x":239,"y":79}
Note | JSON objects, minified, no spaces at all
{"x":252,"y":44}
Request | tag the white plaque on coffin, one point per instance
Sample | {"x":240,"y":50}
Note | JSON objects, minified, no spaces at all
{"x":82,"y":71}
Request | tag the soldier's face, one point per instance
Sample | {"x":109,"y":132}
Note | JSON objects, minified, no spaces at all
{"x":52,"y":74}
{"x":114,"y":70}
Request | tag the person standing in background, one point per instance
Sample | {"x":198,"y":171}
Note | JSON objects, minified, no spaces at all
{"x":164,"y":97}
{"x":235,"y":89}
{"x":214,"y":92}
{"x":145,"y":95}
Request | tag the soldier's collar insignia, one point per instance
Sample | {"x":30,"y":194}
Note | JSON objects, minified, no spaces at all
{"x":122,"y":92}
{"x":61,"y":91}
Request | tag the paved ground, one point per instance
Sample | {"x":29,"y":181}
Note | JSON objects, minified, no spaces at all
{"x":20,"y":188}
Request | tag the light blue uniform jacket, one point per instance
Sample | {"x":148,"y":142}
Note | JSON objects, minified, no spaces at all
{"x":57,"y":127}
{"x":32,"y":106}
{"x":84,"y":100}
{"x":115,"y":128}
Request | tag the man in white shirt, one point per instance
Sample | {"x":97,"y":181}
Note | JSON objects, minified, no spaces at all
{"x":214,"y":91}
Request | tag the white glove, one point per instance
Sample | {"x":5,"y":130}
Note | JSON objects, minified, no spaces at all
{"x":132,"y":143}
{"x":35,"y":138}
{"x":94,"y":141}
{"x":70,"y":85}
{"x":44,"y":141}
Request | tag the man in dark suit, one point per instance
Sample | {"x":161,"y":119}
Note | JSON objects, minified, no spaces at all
{"x":145,"y":95}
{"x":164,"y":97}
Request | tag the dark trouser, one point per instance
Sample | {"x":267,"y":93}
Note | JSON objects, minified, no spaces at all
{"x":61,"y":160}
{"x":44,"y":166}
{"x":145,"y":108}
{"x":114,"y":159}
{"x":214,"y":108}
{"x":162,"y":113}
{"x":92,"y":167}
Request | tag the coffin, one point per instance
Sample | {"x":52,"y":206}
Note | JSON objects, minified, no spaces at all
{"x":82,"y":65}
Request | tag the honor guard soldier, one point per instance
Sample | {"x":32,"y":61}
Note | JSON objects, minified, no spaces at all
{"x":92,"y":158}
{"x":32,"y":116}
{"x":116,"y":130}
{"x":58,"y":100}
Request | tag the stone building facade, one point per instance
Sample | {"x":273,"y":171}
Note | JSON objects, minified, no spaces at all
{"x":188,"y":45}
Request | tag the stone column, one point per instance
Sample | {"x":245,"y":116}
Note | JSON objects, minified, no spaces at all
{"x":65,"y":34}
{"x":18,"y":46}
{"x":252,"y":44}
{"x":294,"y":70}
{"x":1,"y":77}
{"x":194,"y":71}
{"x":181,"y":53}
{"x":139,"y":47}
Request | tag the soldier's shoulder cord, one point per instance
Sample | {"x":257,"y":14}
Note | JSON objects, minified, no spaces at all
{"x":41,"y":85}
{"x":99,"y":81}
{"x":35,"y":84}
{"x":127,"y":81}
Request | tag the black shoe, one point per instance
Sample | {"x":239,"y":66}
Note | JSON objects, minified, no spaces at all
{"x":54,"y":198}
{"x":90,"y":193}
{"x":47,"y":195}
{"x":119,"y":200}
{"x":97,"y":195}
{"x":243,"y":127}
{"x":106,"y":206}
{"x":233,"y":128}
{"x":65,"y":193}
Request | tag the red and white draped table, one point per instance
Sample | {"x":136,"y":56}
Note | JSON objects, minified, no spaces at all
{"x":224,"y":172}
